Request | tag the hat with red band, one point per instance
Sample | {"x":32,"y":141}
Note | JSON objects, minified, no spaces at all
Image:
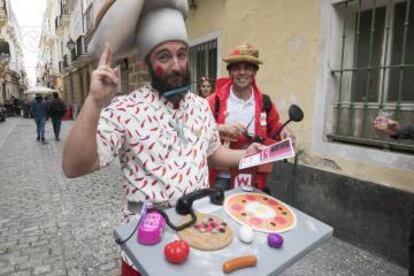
{"x":243,"y":53}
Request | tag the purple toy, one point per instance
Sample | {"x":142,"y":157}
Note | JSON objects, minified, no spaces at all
{"x":151,"y":228}
{"x":275,"y":240}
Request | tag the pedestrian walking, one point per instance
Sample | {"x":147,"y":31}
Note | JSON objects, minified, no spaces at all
{"x":57,"y":110}
{"x":39,"y":113}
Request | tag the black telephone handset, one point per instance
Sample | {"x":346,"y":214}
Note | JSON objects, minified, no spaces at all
{"x":185,"y":206}
{"x":185,"y":203}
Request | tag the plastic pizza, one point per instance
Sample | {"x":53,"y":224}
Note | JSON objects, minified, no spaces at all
{"x":209,"y":233}
{"x":260,"y":212}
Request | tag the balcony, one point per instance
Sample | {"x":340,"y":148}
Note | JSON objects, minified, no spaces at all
{"x":65,"y":16}
{"x":88,"y":19}
{"x":58,"y":26}
{"x":61,"y":70}
{"x":82,"y":49}
{"x":4,"y":53}
{"x":64,"y":66}
{"x":79,"y":55}
{"x":73,"y":55}
{"x":3,"y":17}
{"x":62,"y":21}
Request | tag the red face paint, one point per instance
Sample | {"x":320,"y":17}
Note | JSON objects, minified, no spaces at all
{"x":159,"y":71}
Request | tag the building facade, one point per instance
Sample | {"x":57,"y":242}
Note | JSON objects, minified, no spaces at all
{"x":310,"y":60}
{"x":13,"y":79}
{"x":65,"y":64}
{"x":343,"y":62}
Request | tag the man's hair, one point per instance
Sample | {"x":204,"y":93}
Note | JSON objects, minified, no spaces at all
{"x":55,"y":95}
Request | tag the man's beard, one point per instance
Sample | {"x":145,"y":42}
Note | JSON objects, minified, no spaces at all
{"x":160,"y":84}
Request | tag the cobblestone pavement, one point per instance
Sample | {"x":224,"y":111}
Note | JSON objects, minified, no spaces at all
{"x":50,"y":225}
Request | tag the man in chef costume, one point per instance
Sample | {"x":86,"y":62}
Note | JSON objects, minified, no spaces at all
{"x":163,"y":135}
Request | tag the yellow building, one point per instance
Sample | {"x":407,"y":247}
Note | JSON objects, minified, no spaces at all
{"x":13,"y":79}
{"x":343,"y":62}
{"x":299,"y":42}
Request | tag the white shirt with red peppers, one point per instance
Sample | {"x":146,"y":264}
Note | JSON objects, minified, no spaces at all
{"x":163,"y":151}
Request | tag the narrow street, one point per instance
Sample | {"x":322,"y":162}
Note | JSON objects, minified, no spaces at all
{"x":51,"y":225}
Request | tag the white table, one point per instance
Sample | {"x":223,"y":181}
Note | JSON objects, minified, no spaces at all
{"x":308,"y":234}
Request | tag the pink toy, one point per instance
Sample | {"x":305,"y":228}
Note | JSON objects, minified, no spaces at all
{"x":151,"y":228}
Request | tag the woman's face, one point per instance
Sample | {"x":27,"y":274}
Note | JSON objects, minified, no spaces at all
{"x":205,"y":89}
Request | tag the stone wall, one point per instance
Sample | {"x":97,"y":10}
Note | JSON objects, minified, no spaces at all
{"x":137,"y":73}
{"x":366,"y":214}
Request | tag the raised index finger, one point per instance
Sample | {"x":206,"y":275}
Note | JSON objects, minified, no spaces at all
{"x":106,"y":57}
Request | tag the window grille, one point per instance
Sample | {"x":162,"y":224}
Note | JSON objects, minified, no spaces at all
{"x":203,"y":62}
{"x":375,"y":71}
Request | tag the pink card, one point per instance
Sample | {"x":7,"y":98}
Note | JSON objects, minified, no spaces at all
{"x":278,"y":151}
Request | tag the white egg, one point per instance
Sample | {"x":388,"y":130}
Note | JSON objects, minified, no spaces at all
{"x":246,"y":234}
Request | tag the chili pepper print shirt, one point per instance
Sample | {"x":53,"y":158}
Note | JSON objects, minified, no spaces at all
{"x":163,"y":151}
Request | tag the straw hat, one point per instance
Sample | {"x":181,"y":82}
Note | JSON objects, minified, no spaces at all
{"x":243,"y":53}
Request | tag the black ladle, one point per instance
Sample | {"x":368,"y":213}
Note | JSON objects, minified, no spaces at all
{"x":295,"y":115}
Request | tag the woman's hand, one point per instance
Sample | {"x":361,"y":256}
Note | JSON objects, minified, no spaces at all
{"x":288,"y":133}
{"x":386,"y":125}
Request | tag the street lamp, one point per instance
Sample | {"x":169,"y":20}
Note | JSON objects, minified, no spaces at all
{"x":70,"y":44}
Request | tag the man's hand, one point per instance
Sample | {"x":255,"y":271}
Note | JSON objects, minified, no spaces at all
{"x":254,"y":148}
{"x":386,"y":125}
{"x":80,"y":155}
{"x":288,"y":133}
{"x":104,"y":80}
{"x":231,"y":132}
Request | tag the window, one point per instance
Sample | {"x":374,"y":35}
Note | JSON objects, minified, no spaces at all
{"x":203,"y":62}
{"x":81,"y":46}
{"x":88,"y":18}
{"x":407,"y":84}
{"x":374,"y":71}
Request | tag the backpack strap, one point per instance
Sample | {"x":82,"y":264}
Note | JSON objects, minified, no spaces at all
{"x":266,"y":104}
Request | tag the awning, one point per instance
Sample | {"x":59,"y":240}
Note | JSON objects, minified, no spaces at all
{"x":40,"y":90}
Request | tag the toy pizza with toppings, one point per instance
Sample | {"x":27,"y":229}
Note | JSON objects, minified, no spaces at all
{"x":208,"y":233}
{"x":260,"y":212}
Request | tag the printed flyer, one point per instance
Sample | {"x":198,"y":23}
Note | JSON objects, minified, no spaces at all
{"x":278,"y":151}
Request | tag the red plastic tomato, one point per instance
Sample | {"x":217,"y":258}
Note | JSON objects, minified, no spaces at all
{"x":176,"y":252}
